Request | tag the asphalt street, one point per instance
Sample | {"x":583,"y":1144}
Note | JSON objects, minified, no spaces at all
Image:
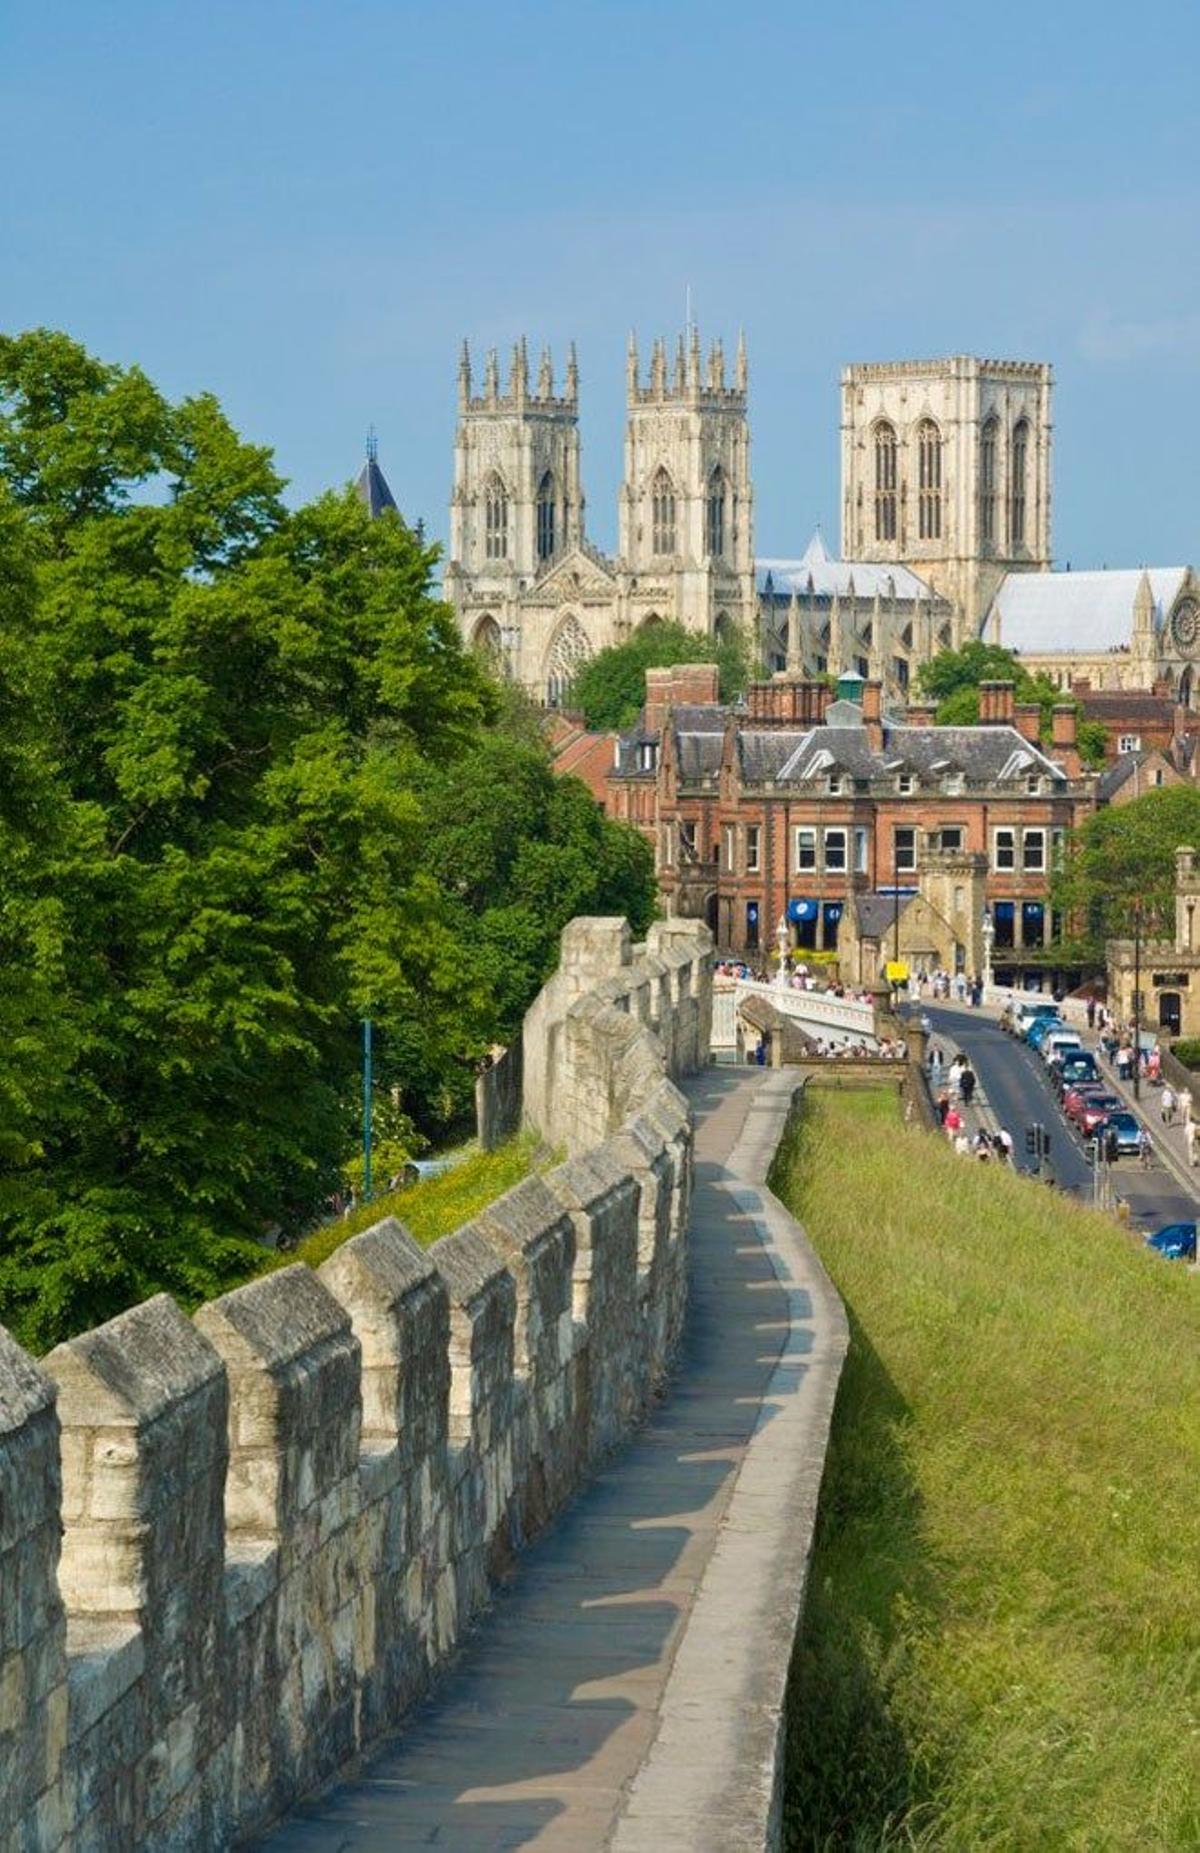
{"x":1014,"y":1081}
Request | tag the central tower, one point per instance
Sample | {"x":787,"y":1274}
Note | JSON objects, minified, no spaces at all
{"x":686,"y":503}
{"x":946,"y":469}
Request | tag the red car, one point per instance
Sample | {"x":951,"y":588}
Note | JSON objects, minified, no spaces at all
{"x":1096,"y":1109}
{"x":1081,"y":1091}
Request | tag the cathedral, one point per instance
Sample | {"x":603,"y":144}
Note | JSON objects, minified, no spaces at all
{"x":946,"y":500}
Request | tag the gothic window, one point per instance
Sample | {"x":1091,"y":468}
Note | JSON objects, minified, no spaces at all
{"x":662,"y":498}
{"x":987,"y":481}
{"x":723,"y":627}
{"x":487,"y":639}
{"x":495,"y":500}
{"x":885,"y":482}
{"x":929,"y":480}
{"x":1020,"y":459}
{"x":714,"y":515}
{"x":568,"y":652}
{"x":545,"y":518}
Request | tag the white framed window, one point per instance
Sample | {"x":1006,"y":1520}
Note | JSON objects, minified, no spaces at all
{"x":1004,"y":849}
{"x":835,"y":850}
{"x":904,"y":849}
{"x":950,"y":836}
{"x":805,"y":851}
{"x":729,"y":848}
{"x":752,"y":849}
{"x":1033,"y":851}
{"x":904,"y":784}
{"x":833,"y":784}
{"x":861,"y":848}
{"x":687,"y":842}
{"x":647,"y":756}
{"x":1129,"y":743}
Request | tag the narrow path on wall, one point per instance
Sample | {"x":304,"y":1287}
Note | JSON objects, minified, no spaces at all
{"x":534,"y":1736}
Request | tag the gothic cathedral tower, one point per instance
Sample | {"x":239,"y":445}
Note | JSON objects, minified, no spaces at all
{"x":686,"y":504}
{"x":517,"y":504}
{"x":946,"y":468}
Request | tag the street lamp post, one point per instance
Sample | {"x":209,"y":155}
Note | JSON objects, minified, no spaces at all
{"x":1137,"y":1000}
{"x":368,"y":1089}
{"x":989,"y":935}
{"x":781,"y":940}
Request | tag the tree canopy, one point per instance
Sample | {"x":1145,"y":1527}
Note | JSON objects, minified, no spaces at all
{"x":1122,"y":859}
{"x":611,"y":688}
{"x":952,"y":678}
{"x":239,"y":770}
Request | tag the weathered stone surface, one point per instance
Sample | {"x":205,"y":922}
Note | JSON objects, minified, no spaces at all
{"x":279,"y":1517}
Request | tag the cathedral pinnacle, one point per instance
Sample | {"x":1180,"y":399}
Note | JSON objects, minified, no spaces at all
{"x":572,"y":374}
{"x":545,"y":384}
{"x":464,"y":377}
{"x":740,"y":369}
{"x":631,"y":364}
{"x":491,"y":378}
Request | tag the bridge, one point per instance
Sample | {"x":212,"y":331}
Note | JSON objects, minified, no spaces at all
{"x":370,"y":1552}
{"x":842,"y":1021}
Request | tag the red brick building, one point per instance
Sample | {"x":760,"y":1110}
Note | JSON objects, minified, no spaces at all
{"x":793,"y":803}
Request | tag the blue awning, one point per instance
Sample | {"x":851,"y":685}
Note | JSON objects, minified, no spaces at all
{"x":802,"y":910}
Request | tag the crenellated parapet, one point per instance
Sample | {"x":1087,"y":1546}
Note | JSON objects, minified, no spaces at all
{"x":235,"y":1548}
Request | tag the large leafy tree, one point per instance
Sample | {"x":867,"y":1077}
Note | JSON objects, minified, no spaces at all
{"x":952,"y":678}
{"x":212,"y":843}
{"x":1121,"y":862}
{"x":611,"y":688}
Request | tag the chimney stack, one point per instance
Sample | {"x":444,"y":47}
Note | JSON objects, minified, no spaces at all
{"x":1027,"y":717}
{"x":1065,"y":724}
{"x":996,"y":704}
{"x":921,"y":713}
{"x":872,"y":713}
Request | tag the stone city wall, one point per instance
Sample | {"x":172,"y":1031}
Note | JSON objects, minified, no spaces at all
{"x":234,"y":1548}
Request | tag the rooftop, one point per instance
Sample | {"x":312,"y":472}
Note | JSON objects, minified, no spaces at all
{"x":1089,"y":611}
{"x":816,"y":574}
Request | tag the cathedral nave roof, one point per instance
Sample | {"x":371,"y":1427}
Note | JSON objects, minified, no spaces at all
{"x":1052,"y":612}
{"x":819,"y":575}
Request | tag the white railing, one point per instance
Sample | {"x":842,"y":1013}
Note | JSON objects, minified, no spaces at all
{"x":833,"y":1019}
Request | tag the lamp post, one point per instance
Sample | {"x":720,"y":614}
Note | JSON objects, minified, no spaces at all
{"x":1137,"y":1000}
{"x":782,"y":938}
{"x":989,"y":935}
{"x":367,"y":1093}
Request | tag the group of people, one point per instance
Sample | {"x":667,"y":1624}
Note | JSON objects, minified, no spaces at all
{"x":939,"y":983}
{"x":952,"y":1099}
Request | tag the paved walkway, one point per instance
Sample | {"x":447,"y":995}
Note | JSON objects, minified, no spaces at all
{"x":566,"y":1723}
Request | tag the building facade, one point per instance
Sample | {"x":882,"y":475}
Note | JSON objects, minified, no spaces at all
{"x":525,"y":581}
{"x":946,"y":470}
{"x":1115,"y":630}
{"x":800,"y":804}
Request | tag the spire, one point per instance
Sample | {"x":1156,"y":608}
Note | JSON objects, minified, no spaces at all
{"x":546,"y":376}
{"x":658,"y":368}
{"x":694,"y":361}
{"x":371,"y":486}
{"x":491,"y":378}
{"x":518,"y":382}
{"x":631,"y":364}
{"x":680,"y":368}
{"x":1143,"y":604}
{"x":572,"y":375}
{"x":464,"y":377}
{"x":741,"y":371}
{"x":372,"y":445}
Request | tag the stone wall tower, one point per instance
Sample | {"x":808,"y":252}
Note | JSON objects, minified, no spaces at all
{"x":946,"y":468}
{"x":517,"y":503}
{"x":687,"y":504}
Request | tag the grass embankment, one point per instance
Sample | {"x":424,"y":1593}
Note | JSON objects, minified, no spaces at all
{"x":434,"y":1207}
{"x":1002,"y":1640}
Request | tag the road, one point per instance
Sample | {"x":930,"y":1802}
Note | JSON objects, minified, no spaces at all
{"x":1014,"y":1081}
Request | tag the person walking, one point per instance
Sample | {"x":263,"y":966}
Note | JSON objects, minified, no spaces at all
{"x":954,"y":1076}
{"x":1145,"y":1149}
{"x":1167,"y":1104}
{"x":966,"y":1084}
{"x":1091,"y":1013}
{"x":1189,"y":1139}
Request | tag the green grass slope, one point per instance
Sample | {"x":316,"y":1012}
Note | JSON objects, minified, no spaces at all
{"x":1001,"y":1646}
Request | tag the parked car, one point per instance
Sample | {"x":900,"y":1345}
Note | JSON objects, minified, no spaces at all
{"x":1025,"y":1015}
{"x":1040,"y":1028}
{"x":1064,"y":1069}
{"x":1095,"y":1109}
{"x":1057,"y":1040}
{"x":1128,"y":1130}
{"x":1177,"y":1241}
{"x":1079,"y":1091}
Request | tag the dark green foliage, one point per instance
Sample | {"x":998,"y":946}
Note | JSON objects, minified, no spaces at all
{"x":1187,"y":1051}
{"x":952,"y":679}
{"x":221,"y":727}
{"x":611,"y":688}
{"x":1123,"y":857}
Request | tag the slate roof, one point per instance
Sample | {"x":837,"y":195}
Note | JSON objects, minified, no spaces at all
{"x":877,"y":912}
{"x":371,"y":489}
{"x":1075,"y":611}
{"x":817,"y":574}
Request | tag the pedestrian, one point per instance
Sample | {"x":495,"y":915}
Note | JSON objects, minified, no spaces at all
{"x":1189,"y":1139}
{"x":1167,"y":1104}
{"x":943,"y":1106}
{"x":954,"y":1076}
{"x":1154,"y":1063}
{"x":1145,"y":1149}
{"x":1124,"y":1062}
{"x":1091,"y":1012}
{"x":966,"y":1085}
{"x":1006,"y":1143}
{"x":962,"y":1145}
{"x":1183,"y":1104}
{"x":953,"y":1123}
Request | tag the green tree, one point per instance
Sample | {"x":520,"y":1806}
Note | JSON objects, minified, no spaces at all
{"x":1124,"y":857}
{"x":611,"y":688}
{"x":214,"y":856}
{"x":952,"y":678}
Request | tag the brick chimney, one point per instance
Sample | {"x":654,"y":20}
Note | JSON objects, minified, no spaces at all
{"x":920,"y":713}
{"x":1064,"y":747}
{"x":1027,"y":717}
{"x":872,"y":712}
{"x":691,"y":683}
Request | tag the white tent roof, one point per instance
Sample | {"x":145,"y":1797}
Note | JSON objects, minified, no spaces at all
{"x":1075,"y":611}
{"x":816,"y":573}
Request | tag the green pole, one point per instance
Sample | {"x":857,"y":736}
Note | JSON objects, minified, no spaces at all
{"x":366,"y":1120}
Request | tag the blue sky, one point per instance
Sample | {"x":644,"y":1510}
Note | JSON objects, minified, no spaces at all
{"x":303,"y":207}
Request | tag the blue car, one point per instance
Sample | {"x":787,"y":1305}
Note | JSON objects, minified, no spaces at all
{"x":1039,"y":1028}
{"x":1177,"y":1241}
{"x":1128,"y":1131}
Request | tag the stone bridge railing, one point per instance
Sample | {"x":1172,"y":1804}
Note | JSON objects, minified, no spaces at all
{"x":235,"y":1548}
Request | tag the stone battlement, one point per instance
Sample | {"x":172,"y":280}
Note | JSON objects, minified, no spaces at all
{"x":233,"y":1549}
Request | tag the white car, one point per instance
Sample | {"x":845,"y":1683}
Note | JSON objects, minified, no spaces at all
{"x":1057,"y":1042}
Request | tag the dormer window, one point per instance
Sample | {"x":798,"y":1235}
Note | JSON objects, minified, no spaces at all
{"x":905,"y":784}
{"x":647,"y":756}
{"x":833,"y":784}
{"x":1033,"y":784}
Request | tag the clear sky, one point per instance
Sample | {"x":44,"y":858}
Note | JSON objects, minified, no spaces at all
{"x":304,"y":207}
